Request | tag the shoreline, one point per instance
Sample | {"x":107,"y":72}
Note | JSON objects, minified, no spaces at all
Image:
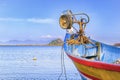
{"x":28,"y":45}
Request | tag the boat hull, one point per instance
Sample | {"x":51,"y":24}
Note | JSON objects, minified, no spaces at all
{"x":96,"y":70}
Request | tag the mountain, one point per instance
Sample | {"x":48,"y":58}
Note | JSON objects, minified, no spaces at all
{"x":117,"y":44}
{"x":42,"y":41}
{"x":57,"y":42}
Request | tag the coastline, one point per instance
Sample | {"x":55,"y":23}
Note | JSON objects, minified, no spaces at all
{"x":56,"y":42}
{"x":28,"y":45}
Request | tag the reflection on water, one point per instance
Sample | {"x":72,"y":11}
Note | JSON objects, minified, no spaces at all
{"x":34,"y":63}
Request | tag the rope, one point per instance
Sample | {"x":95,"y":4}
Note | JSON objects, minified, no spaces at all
{"x":63,"y":69}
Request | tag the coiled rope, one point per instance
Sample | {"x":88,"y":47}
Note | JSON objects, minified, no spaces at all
{"x":63,"y":69}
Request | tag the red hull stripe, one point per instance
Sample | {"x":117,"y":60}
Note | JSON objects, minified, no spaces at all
{"x":91,"y":77}
{"x":100,"y":65}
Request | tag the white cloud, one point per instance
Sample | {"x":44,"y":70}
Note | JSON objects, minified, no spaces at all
{"x":50,"y":36}
{"x":32,"y":20}
{"x":47,"y":36}
{"x":38,"y":20}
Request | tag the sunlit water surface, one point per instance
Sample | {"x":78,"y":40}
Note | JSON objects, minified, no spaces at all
{"x":16,"y":63}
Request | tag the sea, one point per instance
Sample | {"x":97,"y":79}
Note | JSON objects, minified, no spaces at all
{"x":35,"y":63}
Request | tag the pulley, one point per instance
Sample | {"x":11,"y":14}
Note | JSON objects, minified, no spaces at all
{"x":65,"y":21}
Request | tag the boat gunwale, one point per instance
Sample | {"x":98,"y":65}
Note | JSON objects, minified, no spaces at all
{"x":95,"y":64}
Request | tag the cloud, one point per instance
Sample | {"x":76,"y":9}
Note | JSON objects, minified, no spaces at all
{"x":37,"y":20}
{"x":50,"y":36}
{"x":32,"y":20}
{"x":47,"y":36}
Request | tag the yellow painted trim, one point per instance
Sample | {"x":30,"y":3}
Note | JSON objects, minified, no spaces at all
{"x":98,"y":73}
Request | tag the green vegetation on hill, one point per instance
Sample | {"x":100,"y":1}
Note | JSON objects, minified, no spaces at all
{"x":57,"y":42}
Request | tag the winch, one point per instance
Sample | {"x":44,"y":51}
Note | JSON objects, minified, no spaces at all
{"x":67,"y":20}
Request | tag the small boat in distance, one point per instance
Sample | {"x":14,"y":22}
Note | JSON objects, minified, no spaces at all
{"x":94,"y":60}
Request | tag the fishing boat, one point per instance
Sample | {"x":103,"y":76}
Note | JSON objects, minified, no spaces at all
{"x":93,"y":59}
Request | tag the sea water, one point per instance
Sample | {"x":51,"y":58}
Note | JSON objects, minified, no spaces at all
{"x":17,"y":63}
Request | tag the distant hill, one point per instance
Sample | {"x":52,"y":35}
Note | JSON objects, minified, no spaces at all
{"x":41,"y":42}
{"x":117,"y":44}
{"x":28,"y":42}
{"x":57,"y":42}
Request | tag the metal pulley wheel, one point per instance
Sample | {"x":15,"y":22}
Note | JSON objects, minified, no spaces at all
{"x":65,"y":21}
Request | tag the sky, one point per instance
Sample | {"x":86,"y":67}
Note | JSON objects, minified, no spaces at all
{"x":36,"y":19}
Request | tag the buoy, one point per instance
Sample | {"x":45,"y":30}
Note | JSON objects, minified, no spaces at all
{"x":34,"y":58}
